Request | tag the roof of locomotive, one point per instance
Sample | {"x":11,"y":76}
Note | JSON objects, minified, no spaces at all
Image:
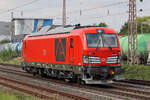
{"x":64,"y":29}
{"x":54,"y":30}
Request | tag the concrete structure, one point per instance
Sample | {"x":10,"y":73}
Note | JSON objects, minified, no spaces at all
{"x":23,"y":26}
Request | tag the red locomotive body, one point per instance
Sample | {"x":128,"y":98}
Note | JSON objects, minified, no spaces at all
{"x":88,"y":54}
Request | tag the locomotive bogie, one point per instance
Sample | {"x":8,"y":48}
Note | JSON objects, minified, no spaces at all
{"x":88,"y":75}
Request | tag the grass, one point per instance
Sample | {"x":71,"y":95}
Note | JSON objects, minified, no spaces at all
{"x":9,"y":57}
{"x":9,"y":95}
{"x":15,"y":61}
{"x":141,"y":72}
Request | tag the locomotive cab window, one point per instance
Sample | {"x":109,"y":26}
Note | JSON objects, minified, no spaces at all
{"x":95,"y":40}
{"x":71,"y":43}
{"x":110,"y":40}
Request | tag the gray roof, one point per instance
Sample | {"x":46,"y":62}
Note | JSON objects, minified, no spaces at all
{"x":57,"y":30}
{"x":29,"y":18}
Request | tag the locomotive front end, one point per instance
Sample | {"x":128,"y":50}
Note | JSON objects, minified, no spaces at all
{"x":101,"y":58}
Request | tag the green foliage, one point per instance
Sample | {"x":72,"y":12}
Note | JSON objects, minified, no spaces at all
{"x":14,"y":61}
{"x":102,"y":24}
{"x":140,"y":72}
{"x":4,"y":41}
{"x":142,"y":25}
{"x":124,"y":28}
{"x":8,"y":95}
{"x":143,"y":19}
{"x":8,"y":54}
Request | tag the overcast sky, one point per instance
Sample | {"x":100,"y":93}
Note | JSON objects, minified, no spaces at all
{"x":86,"y":12}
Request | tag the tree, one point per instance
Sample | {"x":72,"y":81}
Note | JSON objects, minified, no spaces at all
{"x":124,"y":28}
{"x":102,"y":24}
{"x":142,"y":26}
{"x":4,"y":41}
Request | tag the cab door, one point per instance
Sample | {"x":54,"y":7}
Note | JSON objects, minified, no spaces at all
{"x":71,"y":50}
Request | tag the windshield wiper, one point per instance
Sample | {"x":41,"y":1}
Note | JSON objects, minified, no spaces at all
{"x":100,"y":32}
{"x":99,"y":41}
{"x":98,"y":44}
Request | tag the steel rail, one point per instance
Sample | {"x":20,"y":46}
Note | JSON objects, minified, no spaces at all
{"x":74,"y":97}
{"x":122,"y":91}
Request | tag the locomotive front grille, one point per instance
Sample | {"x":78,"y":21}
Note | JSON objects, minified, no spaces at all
{"x":91,"y":60}
{"x":94,"y":60}
{"x":114,"y":59}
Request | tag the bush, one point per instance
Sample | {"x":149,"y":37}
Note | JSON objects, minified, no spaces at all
{"x":140,"y":72}
{"x":8,"y":54}
{"x":4,"y":41}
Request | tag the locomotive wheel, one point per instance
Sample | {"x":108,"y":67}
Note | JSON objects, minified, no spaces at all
{"x":41,"y":72}
{"x":67,"y":80}
{"x":80,"y":81}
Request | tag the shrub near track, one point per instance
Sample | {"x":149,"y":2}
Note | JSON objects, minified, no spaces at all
{"x":14,"y":61}
{"x":8,"y":54}
{"x":140,"y":72}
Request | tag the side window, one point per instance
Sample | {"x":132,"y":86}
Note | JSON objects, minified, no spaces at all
{"x":71,"y":43}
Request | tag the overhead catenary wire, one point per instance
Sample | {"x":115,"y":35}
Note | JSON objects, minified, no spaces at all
{"x":108,"y":15}
{"x":90,"y":9}
{"x":57,"y":17}
{"x":83,"y":10}
{"x":17,"y":7}
{"x":95,"y":17}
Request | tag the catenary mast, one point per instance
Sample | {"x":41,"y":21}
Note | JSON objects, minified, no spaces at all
{"x":64,"y":13}
{"x":132,"y":33}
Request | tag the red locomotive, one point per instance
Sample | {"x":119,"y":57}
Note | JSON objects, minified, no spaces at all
{"x":81,"y":53}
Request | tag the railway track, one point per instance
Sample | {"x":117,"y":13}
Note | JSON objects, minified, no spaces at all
{"x":18,"y":86}
{"x":32,"y":89}
{"x":134,"y":81}
{"x":46,"y":93}
{"x":114,"y":89}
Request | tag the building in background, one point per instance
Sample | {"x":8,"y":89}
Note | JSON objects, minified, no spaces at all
{"x":18,"y":29}
{"x":23,"y":26}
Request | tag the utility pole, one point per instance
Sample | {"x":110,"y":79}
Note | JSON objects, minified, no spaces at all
{"x":132,"y":34}
{"x":11,"y":26}
{"x":22,"y":13}
{"x":64,"y":13}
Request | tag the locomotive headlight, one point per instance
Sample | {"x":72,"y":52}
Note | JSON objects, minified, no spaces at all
{"x":90,"y":60}
{"x":114,"y":59}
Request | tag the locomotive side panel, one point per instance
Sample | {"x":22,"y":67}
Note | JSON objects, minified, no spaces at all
{"x":45,"y":49}
{"x":39,"y":50}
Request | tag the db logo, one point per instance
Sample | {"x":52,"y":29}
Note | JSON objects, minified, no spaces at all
{"x":103,"y":59}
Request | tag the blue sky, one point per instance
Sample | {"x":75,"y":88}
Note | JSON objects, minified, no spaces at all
{"x":112,"y":12}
